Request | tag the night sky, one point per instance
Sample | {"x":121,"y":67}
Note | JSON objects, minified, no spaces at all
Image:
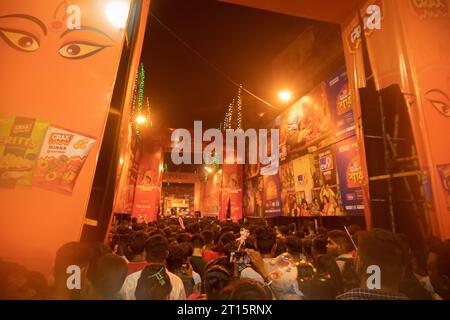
{"x":240,"y":41}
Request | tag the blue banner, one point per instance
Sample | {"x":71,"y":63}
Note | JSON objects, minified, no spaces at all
{"x":340,"y":103}
{"x":272,"y":195}
{"x":348,"y":162}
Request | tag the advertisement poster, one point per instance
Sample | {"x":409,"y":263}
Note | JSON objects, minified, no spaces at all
{"x":287,"y":180}
{"x":304,"y":182}
{"x":253,"y":197}
{"x":272,"y":195}
{"x":350,"y":176}
{"x":148,"y":188}
{"x":327,"y":167}
{"x":231,"y":204}
{"x":340,"y":102}
{"x":210,"y":205}
{"x":127,"y":175}
{"x":251,"y":170}
{"x":307,"y":123}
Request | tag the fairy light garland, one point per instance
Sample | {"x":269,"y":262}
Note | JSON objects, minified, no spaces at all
{"x":140,"y":95}
{"x":239,"y":108}
{"x":235,"y":104}
{"x":134,"y":100}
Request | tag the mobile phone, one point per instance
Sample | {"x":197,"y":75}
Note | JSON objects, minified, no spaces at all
{"x":240,"y":257}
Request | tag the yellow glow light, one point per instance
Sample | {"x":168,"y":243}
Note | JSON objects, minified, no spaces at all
{"x":117,"y":13}
{"x":141,"y":119}
{"x":285,"y":95}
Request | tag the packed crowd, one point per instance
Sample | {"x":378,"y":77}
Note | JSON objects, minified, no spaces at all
{"x":204,"y":259}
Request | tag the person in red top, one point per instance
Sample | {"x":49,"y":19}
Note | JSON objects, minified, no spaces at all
{"x":136,"y":253}
{"x":208,"y":253}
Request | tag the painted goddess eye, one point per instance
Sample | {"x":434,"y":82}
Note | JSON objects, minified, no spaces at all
{"x":440,"y":101}
{"x":20,"y":40}
{"x":79,"y":50}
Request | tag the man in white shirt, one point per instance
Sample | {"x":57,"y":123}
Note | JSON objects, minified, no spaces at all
{"x":157,"y":252}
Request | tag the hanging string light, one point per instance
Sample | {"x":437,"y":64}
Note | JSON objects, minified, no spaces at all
{"x":235,"y":104}
{"x":134,"y":100}
{"x":239,"y":108}
{"x":147,"y":112}
{"x":229,"y":116}
{"x":140,"y":118}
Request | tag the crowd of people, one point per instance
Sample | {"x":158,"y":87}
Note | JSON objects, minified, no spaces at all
{"x":204,"y":259}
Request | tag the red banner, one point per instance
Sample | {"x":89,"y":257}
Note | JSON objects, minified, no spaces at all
{"x":148,"y":188}
{"x":231,"y":206}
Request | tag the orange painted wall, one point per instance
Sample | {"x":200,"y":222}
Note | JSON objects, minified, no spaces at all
{"x":72,"y":93}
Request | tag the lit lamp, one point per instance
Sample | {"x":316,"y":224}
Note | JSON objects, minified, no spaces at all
{"x":285,"y":95}
{"x":117,"y":13}
{"x":208,"y":169}
{"x":141,"y":119}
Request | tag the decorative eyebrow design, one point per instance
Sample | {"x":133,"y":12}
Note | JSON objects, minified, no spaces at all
{"x":437,"y":91}
{"x":86,"y":28}
{"x":28,"y":17}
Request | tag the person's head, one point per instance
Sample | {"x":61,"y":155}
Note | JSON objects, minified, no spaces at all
{"x":17,"y":283}
{"x":193,"y":228}
{"x":125,"y":221}
{"x":338,"y":243}
{"x":154,"y":283}
{"x":284,"y":230}
{"x":167,"y":232}
{"x":385,"y":250}
{"x":319,"y":247}
{"x":222,"y":261}
{"x":136,"y":246}
{"x":208,"y":237}
{"x":265,"y":240}
{"x":293,"y":245}
{"x":246,"y":289}
{"x":108,"y":276}
{"x":197,"y":241}
{"x":176,"y":258}
{"x":304,"y":204}
{"x":72,"y":254}
{"x":311,"y":227}
{"x":326,"y":267}
{"x":227,"y":237}
{"x":316,"y":201}
{"x":157,"y":249}
{"x":184,"y":238}
{"x":216,"y":277}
